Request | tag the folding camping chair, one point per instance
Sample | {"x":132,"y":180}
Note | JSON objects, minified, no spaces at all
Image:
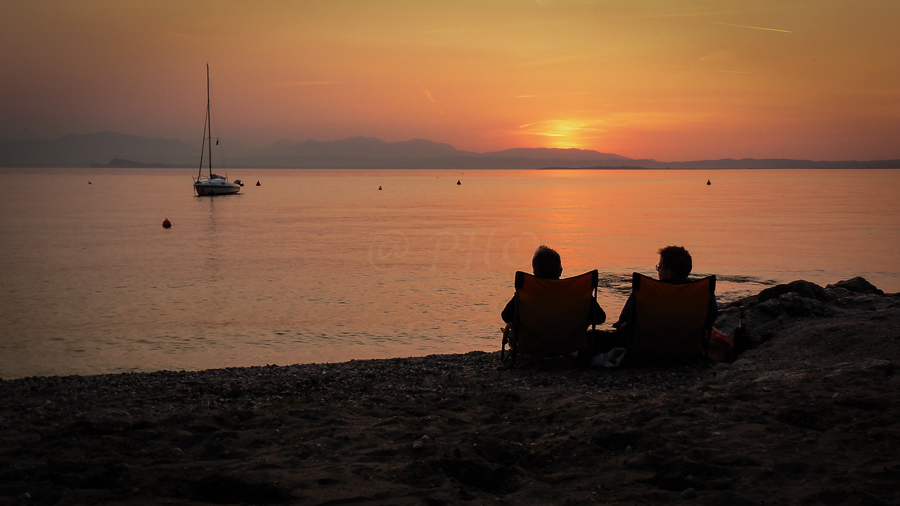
{"x":552,"y":316}
{"x":669,"y":319}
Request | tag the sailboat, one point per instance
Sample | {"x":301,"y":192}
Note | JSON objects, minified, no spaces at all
{"x":212,"y":184}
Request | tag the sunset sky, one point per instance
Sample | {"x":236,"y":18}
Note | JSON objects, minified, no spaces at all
{"x":665,"y":79}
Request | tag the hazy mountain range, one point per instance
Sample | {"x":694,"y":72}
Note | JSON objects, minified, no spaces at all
{"x":108,"y":149}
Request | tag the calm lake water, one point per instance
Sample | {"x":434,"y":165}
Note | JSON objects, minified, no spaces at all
{"x":321,"y":266}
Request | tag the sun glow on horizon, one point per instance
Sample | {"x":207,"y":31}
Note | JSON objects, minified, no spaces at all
{"x":562,"y":133}
{"x":670,"y":80}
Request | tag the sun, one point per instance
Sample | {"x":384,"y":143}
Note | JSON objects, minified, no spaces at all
{"x":562,"y":133}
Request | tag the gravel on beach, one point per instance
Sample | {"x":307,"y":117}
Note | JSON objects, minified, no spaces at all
{"x":808,"y":415}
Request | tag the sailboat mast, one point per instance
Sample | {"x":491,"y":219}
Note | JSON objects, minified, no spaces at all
{"x":209,"y":120}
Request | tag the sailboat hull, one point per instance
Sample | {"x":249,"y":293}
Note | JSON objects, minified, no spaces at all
{"x":209,"y":187}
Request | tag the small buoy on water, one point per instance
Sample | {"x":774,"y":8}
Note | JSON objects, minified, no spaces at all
{"x":257,"y":184}
{"x":708,"y":183}
{"x":379,"y":187}
{"x":167,"y":223}
{"x":457,"y":182}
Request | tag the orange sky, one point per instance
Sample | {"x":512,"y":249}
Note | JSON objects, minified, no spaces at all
{"x":665,"y":79}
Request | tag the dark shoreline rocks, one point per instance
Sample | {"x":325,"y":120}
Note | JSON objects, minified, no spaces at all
{"x":800,"y":287}
{"x":775,"y":307}
{"x":857,"y":285}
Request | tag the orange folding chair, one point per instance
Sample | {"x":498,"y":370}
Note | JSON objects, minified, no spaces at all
{"x":552,"y":316}
{"x":669,"y":319}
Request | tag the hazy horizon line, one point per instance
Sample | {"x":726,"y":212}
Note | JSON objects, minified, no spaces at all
{"x":461,"y":151}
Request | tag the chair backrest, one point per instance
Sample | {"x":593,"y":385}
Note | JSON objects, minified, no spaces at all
{"x":553,"y":315}
{"x":670,"y":317}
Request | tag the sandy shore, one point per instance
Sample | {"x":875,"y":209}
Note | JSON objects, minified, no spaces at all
{"x":809,"y":415}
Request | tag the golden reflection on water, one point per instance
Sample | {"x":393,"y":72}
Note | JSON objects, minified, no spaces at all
{"x":319,"y":266}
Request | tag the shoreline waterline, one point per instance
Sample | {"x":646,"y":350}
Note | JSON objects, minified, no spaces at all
{"x":320,"y":266}
{"x":466,"y":428}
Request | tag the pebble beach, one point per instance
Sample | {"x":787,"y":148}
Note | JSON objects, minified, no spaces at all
{"x":808,"y":415}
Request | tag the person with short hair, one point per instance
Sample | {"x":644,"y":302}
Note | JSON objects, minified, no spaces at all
{"x":675,"y":265}
{"x":547,"y":264}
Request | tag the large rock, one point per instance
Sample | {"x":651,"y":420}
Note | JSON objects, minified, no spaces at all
{"x":795,"y":305}
{"x":857,"y":285}
{"x":775,"y":308}
{"x":805,"y":289}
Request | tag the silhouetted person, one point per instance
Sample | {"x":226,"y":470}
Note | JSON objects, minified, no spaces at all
{"x":547,"y":264}
{"x":675,"y":265}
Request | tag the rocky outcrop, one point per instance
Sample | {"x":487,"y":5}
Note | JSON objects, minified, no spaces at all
{"x":856,"y":285}
{"x":785,"y":304}
{"x":800,"y":287}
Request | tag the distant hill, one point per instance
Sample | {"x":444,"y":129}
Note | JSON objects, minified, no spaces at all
{"x":76,"y":150}
{"x":109,"y":149}
{"x":581,"y":155}
{"x":752,"y":163}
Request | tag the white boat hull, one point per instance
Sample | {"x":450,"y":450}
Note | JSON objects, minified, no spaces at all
{"x":215,"y":186}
